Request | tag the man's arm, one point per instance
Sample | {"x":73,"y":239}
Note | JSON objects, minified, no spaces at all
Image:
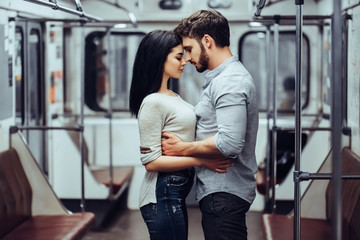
{"x":228,"y":141}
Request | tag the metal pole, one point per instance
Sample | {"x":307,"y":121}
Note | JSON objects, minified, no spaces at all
{"x":45,"y":128}
{"x":55,"y":6}
{"x":82,"y":102}
{"x":274,"y":128}
{"x":336,"y":118}
{"x":298,"y":84}
{"x":108,"y":52}
{"x":268,"y":94}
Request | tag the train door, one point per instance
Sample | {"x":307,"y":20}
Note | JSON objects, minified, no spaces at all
{"x":28,"y":68}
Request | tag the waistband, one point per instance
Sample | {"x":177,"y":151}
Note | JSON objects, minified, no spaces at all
{"x":185,"y":172}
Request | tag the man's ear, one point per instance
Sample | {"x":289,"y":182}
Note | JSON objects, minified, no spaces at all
{"x":208,"y":41}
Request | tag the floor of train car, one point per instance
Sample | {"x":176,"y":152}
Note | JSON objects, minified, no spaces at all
{"x":129,"y":225}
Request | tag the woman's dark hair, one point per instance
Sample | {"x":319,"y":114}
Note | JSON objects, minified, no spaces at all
{"x":149,"y":66}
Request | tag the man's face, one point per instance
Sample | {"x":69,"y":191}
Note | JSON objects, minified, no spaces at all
{"x":195,"y":54}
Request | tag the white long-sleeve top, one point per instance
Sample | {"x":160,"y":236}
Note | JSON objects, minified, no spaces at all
{"x":161,"y":113}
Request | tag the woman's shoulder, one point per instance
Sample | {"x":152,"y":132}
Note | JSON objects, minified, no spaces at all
{"x":154,"y":100}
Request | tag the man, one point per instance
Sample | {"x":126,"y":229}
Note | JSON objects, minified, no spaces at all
{"x":227,"y":123}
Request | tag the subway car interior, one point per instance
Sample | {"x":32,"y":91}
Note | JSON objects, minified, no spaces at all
{"x":69,"y":147}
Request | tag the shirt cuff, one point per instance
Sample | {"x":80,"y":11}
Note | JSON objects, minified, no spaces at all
{"x":220,"y":145}
{"x":149,"y":154}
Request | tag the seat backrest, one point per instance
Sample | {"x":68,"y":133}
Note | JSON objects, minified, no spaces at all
{"x":350,"y":196}
{"x":75,"y":138}
{"x":15,"y":192}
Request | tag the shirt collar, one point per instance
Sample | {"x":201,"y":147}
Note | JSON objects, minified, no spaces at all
{"x":216,"y":71}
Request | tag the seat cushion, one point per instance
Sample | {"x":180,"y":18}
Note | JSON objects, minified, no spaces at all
{"x":53,"y":227}
{"x":280,"y":227}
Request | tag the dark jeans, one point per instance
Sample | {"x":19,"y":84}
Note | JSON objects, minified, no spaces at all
{"x":167,"y":219}
{"x":223,"y":216}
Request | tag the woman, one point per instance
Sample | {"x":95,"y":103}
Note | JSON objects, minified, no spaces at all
{"x":168,"y":179}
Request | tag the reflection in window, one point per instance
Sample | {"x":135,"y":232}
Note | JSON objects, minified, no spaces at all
{"x":34,"y":78}
{"x":100,"y":68}
{"x":252,"y":53}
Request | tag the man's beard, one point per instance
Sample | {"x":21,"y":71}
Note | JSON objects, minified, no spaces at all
{"x":203,"y":60}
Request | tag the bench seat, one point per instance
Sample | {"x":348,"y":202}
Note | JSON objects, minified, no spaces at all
{"x":121,"y":176}
{"x":55,"y":227}
{"x":280,"y":227}
{"x":17,"y":219}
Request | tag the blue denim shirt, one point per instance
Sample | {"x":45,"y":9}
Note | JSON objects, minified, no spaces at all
{"x":228,"y":110}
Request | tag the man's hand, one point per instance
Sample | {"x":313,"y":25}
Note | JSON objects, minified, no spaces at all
{"x":172,"y":145}
{"x":220,"y":165}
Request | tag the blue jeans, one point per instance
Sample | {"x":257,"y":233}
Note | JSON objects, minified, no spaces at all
{"x":167,"y":219}
{"x":223,"y":216}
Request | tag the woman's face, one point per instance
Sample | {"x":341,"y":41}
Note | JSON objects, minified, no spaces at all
{"x":175,"y":63}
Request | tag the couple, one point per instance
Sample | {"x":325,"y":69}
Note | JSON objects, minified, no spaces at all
{"x":225,"y":123}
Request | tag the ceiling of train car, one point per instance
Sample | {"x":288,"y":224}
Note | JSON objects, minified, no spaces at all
{"x":164,"y":10}
{"x":147,"y":10}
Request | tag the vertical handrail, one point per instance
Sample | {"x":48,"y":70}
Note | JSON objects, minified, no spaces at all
{"x":298,"y":84}
{"x":82,"y":102}
{"x":336,"y":118}
{"x":108,"y":54}
{"x":268,"y":94}
{"x":274,"y":128}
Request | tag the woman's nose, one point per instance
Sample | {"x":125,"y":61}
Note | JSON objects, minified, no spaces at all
{"x":183,"y":62}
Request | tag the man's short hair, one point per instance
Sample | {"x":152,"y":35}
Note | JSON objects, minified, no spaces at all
{"x":203,"y":22}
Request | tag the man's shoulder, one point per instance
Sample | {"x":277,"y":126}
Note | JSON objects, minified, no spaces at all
{"x":235,"y":75}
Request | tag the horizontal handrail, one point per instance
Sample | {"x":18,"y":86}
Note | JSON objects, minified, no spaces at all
{"x":305,"y":129}
{"x":14,"y":129}
{"x":306,"y":176}
{"x":345,"y":130}
{"x":55,"y":6}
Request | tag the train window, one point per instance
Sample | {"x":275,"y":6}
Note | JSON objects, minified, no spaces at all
{"x":19,"y":73}
{"x":100,"y":68}
{"x":252,"y":54}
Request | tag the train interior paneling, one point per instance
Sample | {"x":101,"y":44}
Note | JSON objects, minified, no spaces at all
{"x":66,"y":70}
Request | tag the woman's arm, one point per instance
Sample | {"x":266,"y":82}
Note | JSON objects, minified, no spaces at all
{"x":170,"y":163}
{"x":173,"y":146}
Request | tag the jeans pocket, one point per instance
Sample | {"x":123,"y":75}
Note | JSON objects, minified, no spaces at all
{"x":225,"y":203}
{"x":176,"y":181}
{"x":149,"y":211}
